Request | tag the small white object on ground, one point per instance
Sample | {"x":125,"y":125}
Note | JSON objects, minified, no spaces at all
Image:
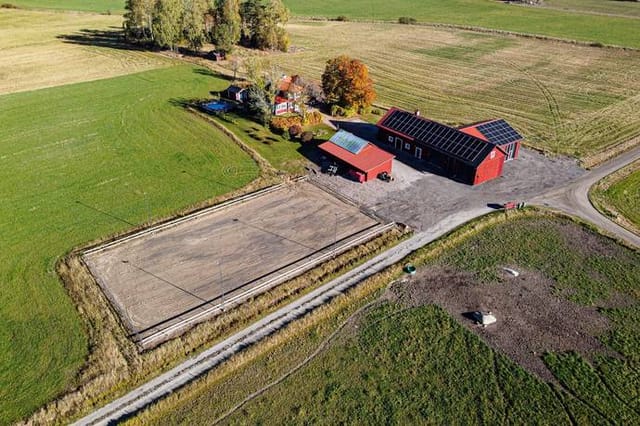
{"x":484,"y":318}
{"x":512,"y":271}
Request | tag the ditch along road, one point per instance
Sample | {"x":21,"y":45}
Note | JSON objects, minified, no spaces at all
{"x":571,"y":199}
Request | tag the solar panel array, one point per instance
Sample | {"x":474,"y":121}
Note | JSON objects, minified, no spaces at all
{"x":445,"y":139}
{"x":348,"y":141}
{"x":499,"y":132}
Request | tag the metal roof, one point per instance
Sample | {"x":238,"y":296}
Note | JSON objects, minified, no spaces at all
{"x":498,"y":132}
{"x":447,"y":140}
{"x":349,"y":141}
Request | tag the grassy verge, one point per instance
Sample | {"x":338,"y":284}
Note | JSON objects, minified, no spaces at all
{"x":45,"y":49}
{"x":621,"y":8}
{"x":408,"y":365}
{"x":618,"y":196}
{"x":564,"y":99}
{"x":80,"y":162}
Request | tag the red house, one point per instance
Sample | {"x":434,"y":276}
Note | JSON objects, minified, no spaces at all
{"x":288,"y":94}
{"x":466,"y":156}
{"x":363,"y":159}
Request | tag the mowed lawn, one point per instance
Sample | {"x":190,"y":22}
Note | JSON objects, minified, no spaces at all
{"x":41,"y":49}
{"x":416,"y":365}
{"x":81,"y":162}
{"x":563,"y":98}
{"x":483,"y":13}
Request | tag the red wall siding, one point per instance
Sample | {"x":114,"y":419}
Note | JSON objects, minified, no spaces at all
{"x":490,"y":168}
{"x":517,"y":151}
{"x":372,"y":174}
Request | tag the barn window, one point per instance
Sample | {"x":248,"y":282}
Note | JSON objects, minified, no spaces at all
{"x":407,"y":146}
{"x":492,"y":155}
{"x":390,"y":139}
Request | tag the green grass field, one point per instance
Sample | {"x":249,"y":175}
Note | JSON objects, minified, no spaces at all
{"x":417,"y":365}
{"x":98,"y":6}
{"x":577,"y":24}
{"x":483,"y":13}
{"x":618,"y":196}
{"x":80,"y":162}
{"x":564,"y":99}
{"x":625,"y":197}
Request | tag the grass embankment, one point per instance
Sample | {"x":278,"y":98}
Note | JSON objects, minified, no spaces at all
{"x":408,"y":365}
{"x":483,"y":13}
{"x":98,"y":6}
{"x":81,"y":162}
{"x":45,"y":49}
{"x":564,"y":99}
{"x":618,"y":196}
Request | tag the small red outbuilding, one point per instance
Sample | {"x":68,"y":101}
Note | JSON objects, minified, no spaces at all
{"x":364,"y":160}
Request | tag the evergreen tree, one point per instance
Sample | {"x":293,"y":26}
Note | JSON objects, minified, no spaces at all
{"x":226,"y":30}
{"x":193,"y":22}
{"x":167,"y":23}
{"x":138,"y":19}
{"x":263,"y":24}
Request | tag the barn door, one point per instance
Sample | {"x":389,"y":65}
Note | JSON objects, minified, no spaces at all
{"x":419,"y":153}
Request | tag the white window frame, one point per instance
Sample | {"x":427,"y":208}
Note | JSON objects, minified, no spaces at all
{"x":407,"y":146}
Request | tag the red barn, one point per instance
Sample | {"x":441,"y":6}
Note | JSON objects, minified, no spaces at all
{"x":363,"y":159}
{"x":462,"y":154}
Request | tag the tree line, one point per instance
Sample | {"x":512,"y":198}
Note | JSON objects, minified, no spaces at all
{"x":225,"y":23}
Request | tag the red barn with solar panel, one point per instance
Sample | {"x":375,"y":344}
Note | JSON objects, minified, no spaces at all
{"x":363,"y":160}
{"x":473,"y":154}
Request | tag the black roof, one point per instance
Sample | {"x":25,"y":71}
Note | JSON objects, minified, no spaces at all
{"x":499,"y":132}
{"x":437,"y":136}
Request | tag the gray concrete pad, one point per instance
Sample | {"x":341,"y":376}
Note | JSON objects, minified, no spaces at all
{"x":421,"y":198}
{"x":163,"y":277}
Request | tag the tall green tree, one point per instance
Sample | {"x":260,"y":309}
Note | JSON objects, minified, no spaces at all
{"x":193,"y":22}
{"x":138,"y":19}
{"x":263,"y":24}
{"x":226,"y":30}
{"x":167,"y":23}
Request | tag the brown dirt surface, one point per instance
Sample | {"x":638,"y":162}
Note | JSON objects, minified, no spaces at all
{"x":532,"y":320}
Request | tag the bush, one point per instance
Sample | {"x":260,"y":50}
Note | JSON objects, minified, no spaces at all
{"x":406,"y":20}
{"x":281,"y":125}
{"x":313,"y":117}
{"x":306,"y":137}
{"x":295,"y":130}
{"x":342,"y":18}
{"x":376,"y":111}
{"x":8,"y":6}
{"x":337,"y":111}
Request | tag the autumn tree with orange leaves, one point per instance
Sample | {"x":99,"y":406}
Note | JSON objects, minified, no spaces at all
{"x":346,"y":83}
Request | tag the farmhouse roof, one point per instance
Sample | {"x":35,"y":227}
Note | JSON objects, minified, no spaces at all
{"x":439,"y":137}
{"x":355,"y":151}
{"x":497,"y":132}
{"x":290,"y":84}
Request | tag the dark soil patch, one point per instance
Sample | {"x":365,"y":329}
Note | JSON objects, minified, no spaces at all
{"x":531,"y":318}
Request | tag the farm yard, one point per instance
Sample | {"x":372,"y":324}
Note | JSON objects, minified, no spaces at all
{"x":565,"y":99}
{"x":384,"y":365}
{"x":96,"y":141}
{"x":174,"y":274}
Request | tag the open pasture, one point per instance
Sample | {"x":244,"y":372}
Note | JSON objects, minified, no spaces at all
{"x":42,"y":49}
{"x":98,"y":6}
{"x":407,"y":360}
{"x":168,"y":276}
{"x":81,"y":162}
{"x":575,"y":25}
{"x":563,"y":98}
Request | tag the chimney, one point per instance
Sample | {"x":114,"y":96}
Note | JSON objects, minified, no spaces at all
{"x":417,"y":113}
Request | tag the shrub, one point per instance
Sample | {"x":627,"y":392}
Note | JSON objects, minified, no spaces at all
{"x":406,"y":20}
{"x":8,"y":6}
{"x":376,"y":111}
{"x":342,"y":18}
{"x":282,"y":124}
{"x":313,"y":117}
{"x":295,"y":130}
{"x":306,"y":137}
{"x":337,"y":111}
